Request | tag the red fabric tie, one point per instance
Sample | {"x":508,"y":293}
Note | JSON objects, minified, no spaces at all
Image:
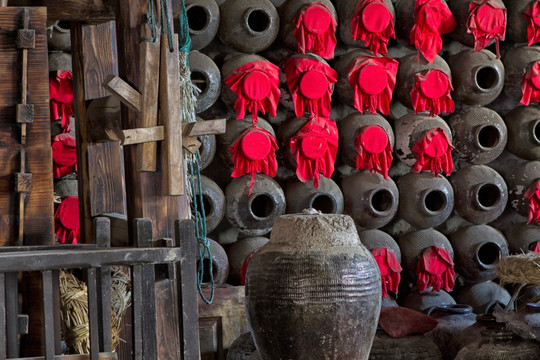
{"x":533,"y":198}
{"x":530,"y":85}
{"x":256,"y":85}
{"x":66,"y":221}
{"x":434,"y":152}
{"x":373,"y":80}
{"x":486,"y":21}
{"x":245,"y":264}
{"x":315,"y":148}
{"x":432,"y":18}
{"x":61,"y":97}
{"x":535,"y":247}
{"x":315,"y":30}
{"x":310,"y":82}
{"x":436,"y":269}
{"x":431,"y":91}
{"x":532,"y":14}
{"x":373,"y":23}
{"x":390,"y":269}
{"x":373,"y":150}
{"x":254,"y":152}
{"x":64,"y":154}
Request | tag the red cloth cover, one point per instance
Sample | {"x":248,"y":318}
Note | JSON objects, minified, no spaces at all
{"x":315,"y":148}
{"x":61,"y":97}
{"x":373,"y":79}
{"x":431,"y":91}
{"x":533,"y":198}
{"x":310,"y":82}
{"x":532,"y":14}
{"x":373,"y":150}
{"x":245,"y":264}
{"x":486,"y":21}
{"x":432,"y":18}
{"x":315,"y":30}
{"x":434,"y":152}
{"x":256,"y":85}
{"x":530,"y":84}
{"x":389,"y":268}
{"x":399,"y":321}
{"x":435,"y":268}
{"x":64,"y":154}
{"x":373,"y":23}
{"x":535,"y":247}
{"x":66,"y":221}
{"x":254,"y":152}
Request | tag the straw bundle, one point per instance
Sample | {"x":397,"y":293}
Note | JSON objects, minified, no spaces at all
{"x":520,"y":269}
{"x":74,"y":309}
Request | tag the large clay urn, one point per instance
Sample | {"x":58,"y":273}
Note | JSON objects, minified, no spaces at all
{"x":524,"y":132}
{"x":313,"y":292}
{"x":203,"y":19}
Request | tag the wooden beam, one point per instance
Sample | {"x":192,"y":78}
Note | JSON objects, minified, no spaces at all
{"x":123,"y":91}
{"x":143,"y":135}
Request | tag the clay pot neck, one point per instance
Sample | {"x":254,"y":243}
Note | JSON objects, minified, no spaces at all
{"x":198,"y":18}
{"x":261,"y":206}
{"x":256,"y":20}
{"x":487,"y":255}
{"x":433,"y":202}
{"x":486,"y":78}
{"x":454,"y":309}
{"x":486,"y":196}
{"x":323,"y":202}
{"x":535,"y":132}
{"x":380,"y":202}
{"x":487,"y":137}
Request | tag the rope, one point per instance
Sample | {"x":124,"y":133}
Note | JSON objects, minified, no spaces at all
{"x":151,"y":21}
{"x":165,"y":21}
{"x":183,"y":37}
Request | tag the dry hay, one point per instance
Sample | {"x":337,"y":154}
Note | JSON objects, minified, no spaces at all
{"x":74,"y":308}
{"x":520,"y":269}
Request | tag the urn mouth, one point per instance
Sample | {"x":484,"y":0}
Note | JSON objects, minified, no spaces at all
{"x":257,"y":20}
{"x":535,"y":132}
{"x":488,"y":254}
{"x":201,"y":80}
{"x":198,"y":18}
{"x":487,"y":196}
{"x":324,"y":203}
{"x":434,"y":201}
{"x":262,"y":206}
{"x":487,"y":137}
{"x":381,"y":202}
{"x":208,"y":205}
{"x":487,"y":78}
{"x":206,"y":268}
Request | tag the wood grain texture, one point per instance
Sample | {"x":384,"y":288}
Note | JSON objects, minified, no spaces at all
{"x":143,"y":135}
{"x":123,"y":91}
{"x":101,"y":59}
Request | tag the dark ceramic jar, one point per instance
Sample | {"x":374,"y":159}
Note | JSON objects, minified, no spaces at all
{"x":484,"y":296}
{"x":524,"y":132}
{"x":313,"y":292}
{"x":517,"y":61}
{"x":327,"y":198}
{"x":516,"y":29}
{"x":470,"y":334}
{"x":451,"y":320}
{"x":427,"y":300}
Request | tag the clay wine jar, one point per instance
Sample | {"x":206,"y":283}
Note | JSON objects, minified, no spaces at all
{"x":478,"y":249}
{"x":480,"y":134}
{"x":327,"y":198}
{"x":414,"y":243}
{"x":238,"y":252}
{"x":254,"y":214}
{"x":478,"y":77}
{"x":470,"y":334}
{"x":410,"y":347}
{"x":214,"y":203}
{"x":405,"y":20}
{"x":518,"y":181}
{"x":425,"y":200}
{"x":411,"y":64}
{"x":521,"y":237}
{"x":220,"y":265}
{"x":370,"y":199}
{"x":500,"y":343}
{"x":481,"y":193}
{"x":343,"y":89}
{"x":409,"y":128}
{"x":516,"y":28}
{"x":427,"y":300}
{"x":207,"y":151}
{"x":377,"y":238}
{"x":313,"y":292}
{"x":524,"y":132}
{"x":351,"y":125}
{"x":248,"y":26}
{"x":345,"y":9}
{"x":517,"y":62}
{"x":206,"y":77}
{"x":203,"y":18}
{"x":484,"y":296}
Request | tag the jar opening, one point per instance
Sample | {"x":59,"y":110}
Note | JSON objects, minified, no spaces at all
{"x":382,"y":201}
{"x":198,"y":18}
{"x":200,"y":80}
{"x":324,"y":203}
{"x":262,"y":206}
{"x":488,"y":196}
{"x":536,"y":132}
{"x":488,"y":137}
{"x":488,"y":255}
{"x":258,"y":21}
{"x":435,"y":201}
{"x":206,"y":268}
{"x":207,"y":203}
{"x":486,"y":78}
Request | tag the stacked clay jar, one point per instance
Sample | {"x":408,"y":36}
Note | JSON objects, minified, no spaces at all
{"x":418,"y":118}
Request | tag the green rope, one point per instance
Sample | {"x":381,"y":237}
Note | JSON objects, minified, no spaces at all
{"x":151,"y":21}
{"x":165,"y":21}
{"x":184,"y":40}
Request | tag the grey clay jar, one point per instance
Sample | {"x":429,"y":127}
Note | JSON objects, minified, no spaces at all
{"x":254,"y":214}
{"x":313,"y":292}
{"x":370,"y":199}
{"x":518,"y":181}
{"x":248,"y":26}
{"x":478,"y":249}
{"x":520,"y":237}
{"x":203,"y":18}
{"x":517,"y":62}
{"x":214,"y":203}
{"x":481,"y":193}
{"x":480,"y":134}
{"x":516,"y":26}
{"x":343,"y":89}
{"x":375,"y":238}
{"x":524,"y":132}
{"x":478,"y":76}
{"x":327,"y":198}
{"x":484,"y":296}
{"x":205,"y":75}
{"x":425,"y":201}
{"x":220,"y":265}
{"x":427,"y":300}
{"x":285,"y":132}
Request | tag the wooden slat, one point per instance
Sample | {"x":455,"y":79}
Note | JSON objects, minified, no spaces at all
{"x":187,"y":283}
{"x":206,"y":127}
{"x":93,"y":313}
{"x":73,"y":10}
{"x":137,"y":311}
{"x":143,"y":135}
{"x":48,"y":316}
{"x":3,"y":340}
{"x":123,"y":91}
{"x":102,"y":227}
{"x":12,"y":312}
{"x":57,"y":316}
